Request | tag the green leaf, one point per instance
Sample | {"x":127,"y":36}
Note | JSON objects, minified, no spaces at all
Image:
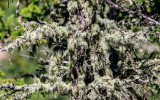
{"x":1,"y":12}
{"x":140,"y":1}
{"x":9,"y":20}
{"x":20,"y":81}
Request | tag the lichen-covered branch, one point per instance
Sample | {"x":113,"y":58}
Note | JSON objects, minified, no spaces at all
{"x":92,"y":58}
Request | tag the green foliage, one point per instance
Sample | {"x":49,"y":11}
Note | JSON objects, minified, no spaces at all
{"x":1,"y":74}
{"x":1,"y":12}
{"x":31,"y":11}
{"x":20,"y":81}
{"x":2,"y":81}
{"x":6,"y":26}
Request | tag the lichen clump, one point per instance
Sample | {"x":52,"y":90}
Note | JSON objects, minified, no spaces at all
{"x":90,"y":58}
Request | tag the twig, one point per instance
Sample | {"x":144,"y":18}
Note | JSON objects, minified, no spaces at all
{"x":132,"y":12}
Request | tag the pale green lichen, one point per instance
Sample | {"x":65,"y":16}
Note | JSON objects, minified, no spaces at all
{"x":84,"y":66}
{"x":72,"y":6}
